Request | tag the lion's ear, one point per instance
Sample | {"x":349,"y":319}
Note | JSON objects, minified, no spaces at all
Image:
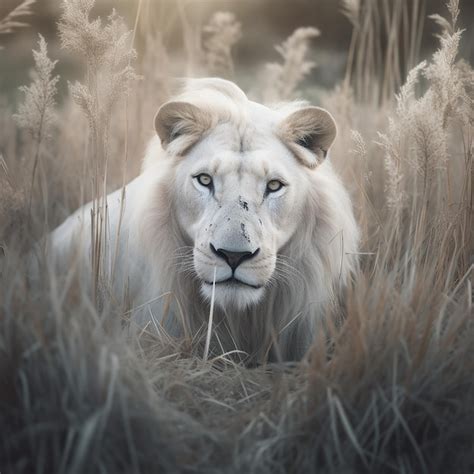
{"x":182,"y":124}
{"x":309,"y":133}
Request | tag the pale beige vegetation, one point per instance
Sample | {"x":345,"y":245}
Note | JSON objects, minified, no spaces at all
{"x":387,"y":386}
{"x":16,"y":18}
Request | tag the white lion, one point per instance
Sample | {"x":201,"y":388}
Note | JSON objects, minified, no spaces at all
{"x":238,"y":193}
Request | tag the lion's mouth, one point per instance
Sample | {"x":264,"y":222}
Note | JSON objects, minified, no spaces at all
{"x":232,"y":281}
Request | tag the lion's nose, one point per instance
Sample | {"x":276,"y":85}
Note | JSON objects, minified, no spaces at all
{"x":233,"y":259}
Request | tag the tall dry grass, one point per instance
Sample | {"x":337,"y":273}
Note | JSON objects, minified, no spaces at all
{"x":385,"y":45}
{"x":387,"y":386}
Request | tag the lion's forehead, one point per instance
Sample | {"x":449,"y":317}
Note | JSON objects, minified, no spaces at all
{"x":250,"y":149}
{"x":246,"y":166}
{"x":245,"y":132}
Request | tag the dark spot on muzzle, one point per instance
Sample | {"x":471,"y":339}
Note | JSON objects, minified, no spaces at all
{"x":245,"y":235}
{"x":243,"y":204}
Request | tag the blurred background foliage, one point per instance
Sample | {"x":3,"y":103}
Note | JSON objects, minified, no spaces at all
{"x":264,"y":23}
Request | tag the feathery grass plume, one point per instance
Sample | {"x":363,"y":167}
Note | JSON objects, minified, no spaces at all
{"x":221,"y":33}
{"x":361,"y":153}
{"x":280,"y":81}
{"x":426,"y":119}
{"x":395,"y":142}
{"x":430,"y":115}
{"x":391,"y":143}
{"x":453,"y":7}
{"x":37,"y":113}
{"x":11,"y":22}
{"x":466,"y":76}
{"x":360,"y":148}
{"x":444,"y":24}
{"x":447,"y":87}
{"x":416,"y":145}
{"x":362,"y":174}
{"x":447,"y":27}
{"x":108,"y":54}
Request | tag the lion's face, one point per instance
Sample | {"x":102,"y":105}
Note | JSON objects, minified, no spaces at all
{"x":240,"y":187}
{"x":238,"y":209}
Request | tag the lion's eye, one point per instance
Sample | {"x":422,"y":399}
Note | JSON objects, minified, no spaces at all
{"x":204,"y":180}
{"x":274,"y":185}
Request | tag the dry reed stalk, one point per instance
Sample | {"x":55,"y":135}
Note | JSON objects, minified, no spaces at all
{"x":192,"y":40}
{"x":377,"y":73}
{"x":211,"y":317}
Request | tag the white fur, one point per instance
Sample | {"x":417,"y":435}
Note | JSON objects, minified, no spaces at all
{"x":306,"y":233}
